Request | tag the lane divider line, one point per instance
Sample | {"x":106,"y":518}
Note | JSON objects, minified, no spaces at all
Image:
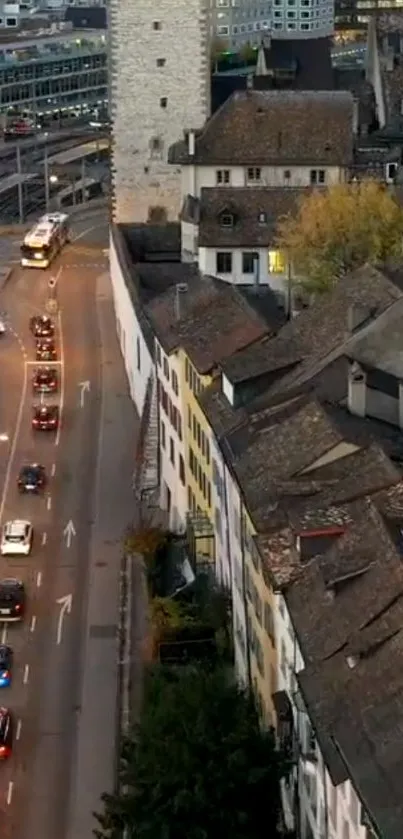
{"x":4,"y":634}
{"x":18,"y":732}
{"x":44,"y":538}
{"x":26,"y":674}
{"x":39,"y":579}
{"x":53,"y":471}
{"x":33,"y":623}
{"x":10,"y":792}
{"x":49,"y":502}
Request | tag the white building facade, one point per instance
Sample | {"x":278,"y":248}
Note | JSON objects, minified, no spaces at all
{"x":173,"y":495}
{"x":135,"y":351}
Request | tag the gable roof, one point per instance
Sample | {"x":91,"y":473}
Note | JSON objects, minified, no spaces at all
{"x":255,"y":210}
{"x":210,"y":319}
{"x":257,"y":128}
{"x":309,"y":58}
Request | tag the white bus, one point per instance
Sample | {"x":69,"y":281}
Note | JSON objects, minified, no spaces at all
{"x":45,"y":240}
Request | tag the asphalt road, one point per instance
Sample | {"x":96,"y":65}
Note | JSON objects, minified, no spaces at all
{"x":63,"y":695}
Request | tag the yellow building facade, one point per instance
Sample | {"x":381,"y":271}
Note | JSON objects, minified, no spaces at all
{"x":198,"y":459}
{"x":260,"y":608}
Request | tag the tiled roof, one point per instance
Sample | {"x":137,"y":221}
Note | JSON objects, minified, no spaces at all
{"x":263,"y":128}
{"x":346,"y":607}
{"x":319,"y":330}
{"x":209,"y":318}
{"x":255,"y":211}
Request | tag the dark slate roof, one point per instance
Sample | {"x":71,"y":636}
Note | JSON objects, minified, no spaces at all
{"x":347,"y":609}
{"x":318,"y":331}
{"x":256,"y":212}
{"x":209,"y":318}
{"x":310,"y":58}
{"x":255,"y":128}
{"x":86,"y":17}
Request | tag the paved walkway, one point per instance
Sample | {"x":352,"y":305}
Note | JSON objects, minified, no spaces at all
{"x":94,"y":772}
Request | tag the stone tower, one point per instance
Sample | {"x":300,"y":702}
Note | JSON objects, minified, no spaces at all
{"x":159,"y":88}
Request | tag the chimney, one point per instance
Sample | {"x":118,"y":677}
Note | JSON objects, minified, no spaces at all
{"x":180,"y":292}
{"x":356,"y":117}
{"x":401,"y":405}
{"x":191,"y":144}
{"x":356,"y":316}
{"x":357,"y":390}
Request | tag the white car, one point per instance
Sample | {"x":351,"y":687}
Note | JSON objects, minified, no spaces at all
{"x":16,"y":538}
{"x":2,"y":327}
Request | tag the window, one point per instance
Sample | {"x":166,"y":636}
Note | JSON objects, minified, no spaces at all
{"x":172,"y":451}
{"x":181,"y":470}
{"x":161,"y":62}
{"x":163,"y":102}
{"x":287,"y":175}
{"x":207,"y":452}
{"x":189,"y":418}
{"x":254,"y":174}
{"x":250,"y":262}
{"x":226,"y":220}
{"x":276,"y":262}
{"x":138,"y":354}
{"x":262,"y":218}
{"x":224,"y":262}
{"x":156,"y":145}
{"x":179,"y":425}
{"x":163,"y":436}
{"x":223,"y":176}
{"x":164,"y":399}
{"x":269,"y":622}
{"x":318,"y":176}
{"x":175,"y":385}
{"x":158,"y":354}
{"x":157,"y":25}
{"x":187,"y":370}
{"x":209,"y":493}
{"x":166,"y":368}
{"x":222,"y":30}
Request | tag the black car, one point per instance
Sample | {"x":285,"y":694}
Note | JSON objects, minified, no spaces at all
{"x":45,"y":349}
{"x":45,"y":418}
{"x":32,"y":478}
{"x":6,"y":665}
{"x":41,"y":326}
{"x":45,"y":380}
{"x":6,"y":733}
{"x":12,"y":600}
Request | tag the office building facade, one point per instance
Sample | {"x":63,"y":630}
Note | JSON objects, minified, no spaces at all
{"x":237,"y":22}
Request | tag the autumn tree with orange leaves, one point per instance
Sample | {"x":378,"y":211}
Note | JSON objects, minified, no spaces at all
{"x":341,"y":228}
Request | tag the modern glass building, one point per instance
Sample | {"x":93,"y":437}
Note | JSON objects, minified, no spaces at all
{"x":238,"y":22}
{"x":56,"y":72}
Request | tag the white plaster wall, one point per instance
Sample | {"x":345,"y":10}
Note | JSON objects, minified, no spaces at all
{"x":238,"y":595}
{"x":207,"y":263}
{"x":129,"y":333}
{"x":194,"y":178}
{"x":169,"y":472}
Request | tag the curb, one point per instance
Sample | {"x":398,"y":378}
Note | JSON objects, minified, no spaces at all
{"x":5,"y":276}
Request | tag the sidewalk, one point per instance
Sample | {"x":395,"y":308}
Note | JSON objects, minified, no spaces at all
{"x":94,"y":770}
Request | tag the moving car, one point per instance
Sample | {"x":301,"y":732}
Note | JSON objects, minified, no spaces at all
{"x":45,"y":418}
{"x":45,"y":380}
{"x":6,"y":664}
{"x":41,"y":326}
{"x":32,"y":478}
{"x":16,"y":538}
{"x":2,"y":327}
{"x":45,"y":350}
{"x":6,"y":733}
{"x":12,"y":599}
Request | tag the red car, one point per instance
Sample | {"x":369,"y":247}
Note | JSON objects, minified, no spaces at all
{"x":46,"y":350}
{"x":6,"y":733}
{"x":45,"y":418}
{"x":45,"y":380}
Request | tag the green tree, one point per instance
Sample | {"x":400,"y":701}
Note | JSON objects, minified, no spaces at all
{"x":248,"y":54}
{"x":218,"y":46}
{"x":339,"y":229}
{"x":198,"y":766}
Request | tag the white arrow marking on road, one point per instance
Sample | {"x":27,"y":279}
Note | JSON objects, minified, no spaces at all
{"x":69,"y":531}
{"x":65,"y":604}
{"x":84,"y":388}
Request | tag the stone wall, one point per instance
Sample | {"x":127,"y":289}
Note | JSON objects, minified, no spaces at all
{"x":159,"y":50}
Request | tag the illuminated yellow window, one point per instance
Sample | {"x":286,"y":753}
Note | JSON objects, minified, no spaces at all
{"x":276,"y":262}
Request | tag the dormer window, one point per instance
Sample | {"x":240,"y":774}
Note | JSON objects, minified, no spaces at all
{"x":262,"y":218}
{"x":227,"y":220}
